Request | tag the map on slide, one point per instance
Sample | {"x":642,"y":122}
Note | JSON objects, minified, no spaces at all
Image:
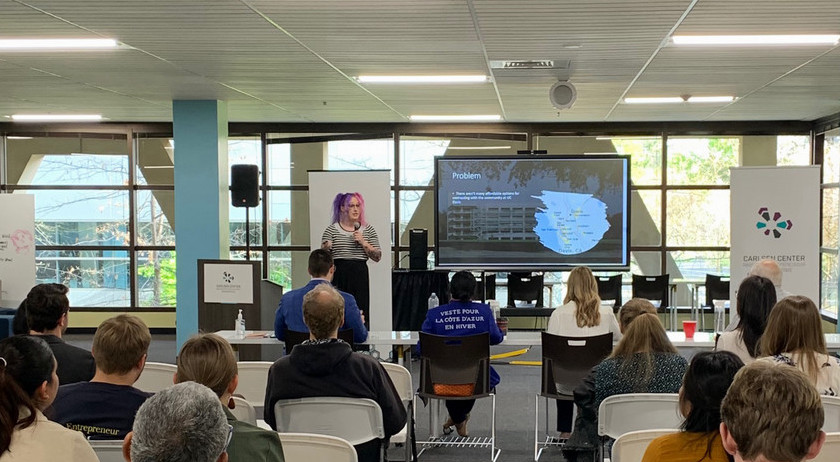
{"x":570,"y":223}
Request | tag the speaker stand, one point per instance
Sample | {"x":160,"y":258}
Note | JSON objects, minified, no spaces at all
{"x":247,"y":234}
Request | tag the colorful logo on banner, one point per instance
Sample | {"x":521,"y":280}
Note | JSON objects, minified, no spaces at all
{"x":772,"y":226}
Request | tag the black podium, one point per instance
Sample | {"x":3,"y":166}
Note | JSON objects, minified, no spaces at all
{"x":410,"y":292}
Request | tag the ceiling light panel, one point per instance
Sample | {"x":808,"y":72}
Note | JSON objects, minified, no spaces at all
{"x":769,"y":40}
{"x":422,"y":78}
{"x":56,"y":44}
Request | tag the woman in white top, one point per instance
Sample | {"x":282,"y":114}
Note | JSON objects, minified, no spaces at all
{"x":28,"y":384}
{"x":794,"y":337}
{"x":756,"y":297}
{"x":580,"y":316}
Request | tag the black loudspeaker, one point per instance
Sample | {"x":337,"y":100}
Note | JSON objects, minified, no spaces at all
{"x":417,"y":247}
{"x":245,"y":185}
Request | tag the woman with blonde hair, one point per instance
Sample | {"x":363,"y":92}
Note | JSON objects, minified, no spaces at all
{"x":208,"y":359}
{"x":644,"y":361}
{"x":794,"y":337}
{"x":581,"y":315}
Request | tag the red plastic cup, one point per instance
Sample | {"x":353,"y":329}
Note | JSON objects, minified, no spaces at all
{"x":689,"y":327}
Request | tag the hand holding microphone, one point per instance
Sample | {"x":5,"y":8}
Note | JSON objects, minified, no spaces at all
{"x":357,"y":235}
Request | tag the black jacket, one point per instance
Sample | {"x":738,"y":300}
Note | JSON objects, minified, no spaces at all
{"x":332,"y":369}
{"x":74,"y":364}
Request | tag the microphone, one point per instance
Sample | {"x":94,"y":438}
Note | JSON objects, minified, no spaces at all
{"x":356,"y":225}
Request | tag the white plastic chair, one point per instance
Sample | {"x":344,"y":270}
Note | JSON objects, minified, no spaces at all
{"x":309,"y":447}
{"x":620,"y":414}
{"x":244,"y":412}
{"x":401,"y":378}
{"x":156,"y":377}
{"x":830,"y":451}
{"x":108,"y":451}
{"x":831,"y":406}
{"x":356,"y":420}
{"x":253,"y":377}
{"x":630,"y":447}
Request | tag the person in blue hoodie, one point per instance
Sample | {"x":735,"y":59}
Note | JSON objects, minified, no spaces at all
{"x":462,"y":316}
{"x":289,"y":313}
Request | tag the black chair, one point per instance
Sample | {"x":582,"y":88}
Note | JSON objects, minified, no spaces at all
{"x":609,"y":288}
{"x":717,"y":288}
{"x":294,"y":337}
{"x":566,"y":361}
{"x":655,"y":288}
{"x":526,"y":287}
{"x":448,"y":363}
{"x":485,"y":287}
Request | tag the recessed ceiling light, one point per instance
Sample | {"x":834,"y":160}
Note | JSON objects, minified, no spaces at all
{"x":655,"y":100}
{"x":56,"y":117}
{"x":710,"y":99}
{"x":755,"y":39}
{"x":455,"y":118}
{"x":56,"y":44}
{"x":422,"y":78}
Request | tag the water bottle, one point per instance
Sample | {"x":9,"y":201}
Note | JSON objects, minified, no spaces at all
{"x":433,"y":301}
{"x":239,"y":327}
{"x":720,"y":316}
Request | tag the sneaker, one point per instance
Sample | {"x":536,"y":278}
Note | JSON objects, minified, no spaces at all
{"x":447,"y":426}
{"x":461,"y":428}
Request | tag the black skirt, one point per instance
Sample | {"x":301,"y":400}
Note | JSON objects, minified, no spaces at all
{"x":352,"y":277}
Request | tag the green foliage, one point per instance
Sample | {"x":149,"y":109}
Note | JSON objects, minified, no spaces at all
{"x":164,"y":289}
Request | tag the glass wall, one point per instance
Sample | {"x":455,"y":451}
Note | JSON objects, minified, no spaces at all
{"x":830,"y":219}
{"x":105,"y":202}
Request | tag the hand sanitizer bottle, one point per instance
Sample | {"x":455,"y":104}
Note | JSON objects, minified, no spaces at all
{"x":240,"y":326}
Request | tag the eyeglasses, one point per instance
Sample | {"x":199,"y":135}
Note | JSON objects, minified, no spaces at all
{"x":229,"y":437}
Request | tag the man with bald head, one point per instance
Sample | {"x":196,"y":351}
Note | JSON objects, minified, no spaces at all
{"x":769,"y":269}
{"x":324,"y":365}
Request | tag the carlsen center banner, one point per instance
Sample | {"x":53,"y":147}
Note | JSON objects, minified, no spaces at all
{"x":775,"y":214}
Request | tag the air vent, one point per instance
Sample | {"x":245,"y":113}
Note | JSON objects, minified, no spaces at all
{"x":531,"y":64}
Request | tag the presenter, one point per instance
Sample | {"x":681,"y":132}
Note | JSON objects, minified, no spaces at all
{"x":352,"y":241}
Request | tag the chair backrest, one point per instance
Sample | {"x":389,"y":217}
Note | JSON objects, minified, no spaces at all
{"x":566,"y":361}
{"x":156,"y":377}
{"x":7,"y":321}
{"x":294,"y":337}
{"x":108,"y":451}
{"x":243,"y":411}
{"x":309,"y":447}
{"x":455,"y":361}
{"x":253,"y":377}
{"x":401,"y":378}
{"x":356,"y":420}
{"x":620,"y":414}
{"x":717,"y":288}
{"x":609,"y":288}
{"x":485,"y":288}
{"x":831,"y":406}
{"x":652,"y":288}
{"x":830,"y":449}
{"x":527,"y":287}
{"x":631,"y":447}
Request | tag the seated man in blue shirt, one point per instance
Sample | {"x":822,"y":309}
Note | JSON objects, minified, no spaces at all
{"x":290,"y":312}
{"x":104,"y":408}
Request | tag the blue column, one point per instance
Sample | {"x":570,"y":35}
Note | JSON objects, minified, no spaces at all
{"x":201,"y":200}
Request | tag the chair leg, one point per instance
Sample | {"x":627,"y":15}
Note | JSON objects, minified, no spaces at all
{"x":537,"y":427}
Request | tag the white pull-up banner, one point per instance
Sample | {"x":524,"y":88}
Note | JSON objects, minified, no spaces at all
{"x":17,"y":248}
{"x":776,"y":215}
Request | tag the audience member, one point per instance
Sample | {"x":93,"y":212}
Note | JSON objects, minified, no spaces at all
{"x":327,"y":366}
{"x":704,"y":386}
{"x":183,"y":423}
{"x":581,"y":315}
{"x":47,"y":311}
{"x":756,"y":297}
{"x":289,"y":313}
{"x":104,"y":408}
{"x":769,"y":269}
{"x":208,"y":359}
{"x":644,"y":361}
{"x":771,"y":414}
{"x":461,"y":316}
{"x":28,"y":384}
{"x":632,"y":309}
{"x":794,"y":337}
{"x":19,"y":325}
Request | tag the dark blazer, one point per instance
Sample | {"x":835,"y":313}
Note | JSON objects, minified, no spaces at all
{"x":289,"y":314}
{"x":74,"y":364}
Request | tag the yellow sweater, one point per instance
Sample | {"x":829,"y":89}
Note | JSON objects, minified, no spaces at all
{"x":685,"y":447}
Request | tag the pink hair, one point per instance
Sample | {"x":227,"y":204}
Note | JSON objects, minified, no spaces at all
{"x":343,"y":199}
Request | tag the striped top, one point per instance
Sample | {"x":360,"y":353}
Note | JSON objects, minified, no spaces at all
{"x":344,"y":247}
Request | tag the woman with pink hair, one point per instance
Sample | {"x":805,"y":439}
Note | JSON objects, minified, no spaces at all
{"x":352,"y":241}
